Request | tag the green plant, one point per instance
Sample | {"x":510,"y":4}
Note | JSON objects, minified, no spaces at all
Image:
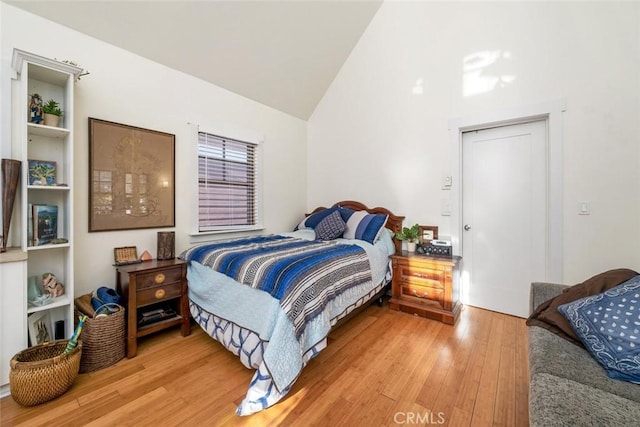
{"x":52,"y":107}
{"x":410,"y":234}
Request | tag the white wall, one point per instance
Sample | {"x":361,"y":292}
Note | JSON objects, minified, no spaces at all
{"x":380,"y":134}
{"x":128,"y":89}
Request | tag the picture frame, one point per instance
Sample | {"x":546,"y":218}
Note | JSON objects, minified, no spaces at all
{"x":39,"y":327}
{"x":428,"y":233}
{"x":42,"y":172}
{"x":131,"y":177}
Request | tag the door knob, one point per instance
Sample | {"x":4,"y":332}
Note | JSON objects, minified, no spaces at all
{"x":467,"y":227}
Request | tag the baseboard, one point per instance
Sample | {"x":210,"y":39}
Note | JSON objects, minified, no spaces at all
{"x":5,"y":390}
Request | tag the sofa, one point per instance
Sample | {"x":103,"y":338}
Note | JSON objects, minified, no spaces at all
{"x":568,"y":387}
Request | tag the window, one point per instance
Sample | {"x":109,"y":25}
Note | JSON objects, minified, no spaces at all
{"x":227,"y":183}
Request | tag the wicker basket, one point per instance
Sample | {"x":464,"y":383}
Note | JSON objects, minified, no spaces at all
{"x":103,"y":340}
{"x":42,"y":372}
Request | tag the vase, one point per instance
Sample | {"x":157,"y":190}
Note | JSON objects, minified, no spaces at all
{"x":51,"y":120}
{"x":411,"y":246}
{"x":10,"y":179}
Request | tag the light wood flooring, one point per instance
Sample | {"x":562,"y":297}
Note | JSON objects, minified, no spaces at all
{"x":382,"y":368}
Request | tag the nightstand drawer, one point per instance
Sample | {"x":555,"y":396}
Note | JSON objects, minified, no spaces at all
{"x":158,"y":293}
{"x":421,"y":276}
{"x":422,"y":294}
{"x":168,"y":275}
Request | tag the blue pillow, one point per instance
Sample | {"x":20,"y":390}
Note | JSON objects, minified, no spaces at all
{"x":331,"y":227}
{"x":312,"y":221}
{"x":608,"y":324}
{"x":362,"y":225}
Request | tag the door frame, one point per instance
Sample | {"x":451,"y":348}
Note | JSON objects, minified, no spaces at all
{"x":552,"y":113}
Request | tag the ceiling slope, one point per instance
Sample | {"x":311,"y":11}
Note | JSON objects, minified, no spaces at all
{"x":283,"y":54}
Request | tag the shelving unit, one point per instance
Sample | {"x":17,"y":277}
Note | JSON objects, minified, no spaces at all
{"x":50,"y":79}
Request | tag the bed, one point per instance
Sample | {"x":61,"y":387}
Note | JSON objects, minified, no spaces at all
{"x":272,"y":299}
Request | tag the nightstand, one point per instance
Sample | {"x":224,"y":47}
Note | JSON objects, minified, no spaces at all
{"x":148,"y":285}
{"x":426,"y":286}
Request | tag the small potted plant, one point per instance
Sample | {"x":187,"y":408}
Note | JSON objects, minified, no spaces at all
{"x":52,"y":113}
{"x":410,"y":234}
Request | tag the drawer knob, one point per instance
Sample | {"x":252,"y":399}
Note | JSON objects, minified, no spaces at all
{"x":423,"y":295}
{"x":159,"y":278}
{"x":160,"y":293}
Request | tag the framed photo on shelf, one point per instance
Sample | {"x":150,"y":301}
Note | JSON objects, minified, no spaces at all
{"x":428,"y":233}
{"x":42,"y":172}
{"x":131,"y":174}
{"x":39,"y":327}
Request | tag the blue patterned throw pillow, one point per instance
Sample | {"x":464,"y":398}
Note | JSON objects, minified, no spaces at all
{"x":331,"y":227}
{"x":608,"y":324}
{"x":312,"y":221}
{"x":363,"y":225}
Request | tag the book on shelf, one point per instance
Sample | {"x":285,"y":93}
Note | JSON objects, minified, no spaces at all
{"x":30,"y":225}
{"x":44,"y":224}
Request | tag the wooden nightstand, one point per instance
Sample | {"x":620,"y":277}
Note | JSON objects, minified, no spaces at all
{"x":425,"y":285}
{"x":149,"y":283}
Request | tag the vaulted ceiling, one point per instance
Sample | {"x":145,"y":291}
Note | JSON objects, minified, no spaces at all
{"x":283,"y":54}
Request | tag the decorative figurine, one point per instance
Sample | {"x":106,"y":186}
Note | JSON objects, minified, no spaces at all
{"x":35,"y":108}
{"x":51,"y":285}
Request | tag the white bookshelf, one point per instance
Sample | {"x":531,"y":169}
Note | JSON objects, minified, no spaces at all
{"x":51,"y":79}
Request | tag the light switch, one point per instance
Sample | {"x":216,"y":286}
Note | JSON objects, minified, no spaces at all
{"x":445,"y":207}
{"x":446,"y":182}
{"x":584,"y":208}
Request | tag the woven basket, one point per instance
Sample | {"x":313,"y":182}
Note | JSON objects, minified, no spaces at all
{"x":103,"y":340}
{"x":42,"y":372}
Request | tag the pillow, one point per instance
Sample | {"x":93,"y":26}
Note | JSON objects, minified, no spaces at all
{"x":547,"y":316}
{"x":364,"y":226}
{"x":608,"y":324}
{"x":386,"y":240}
{"x":312,"y":221}
{"x":331,"y":227}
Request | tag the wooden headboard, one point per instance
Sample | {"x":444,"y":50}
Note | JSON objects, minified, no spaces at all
{"x":394,"y":223}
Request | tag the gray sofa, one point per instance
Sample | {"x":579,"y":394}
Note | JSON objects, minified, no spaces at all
{"x":567,"y":387}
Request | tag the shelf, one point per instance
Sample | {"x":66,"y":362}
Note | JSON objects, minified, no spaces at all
{"x":159,"y":325}
{"x":50,"y":79}
{"x":61,"y":301}
{"x":48,"y":246}
{"x":13,"y":255}
{"x":48,"y":131}
{"x":48,"y":187}
{"x":61,"y":188}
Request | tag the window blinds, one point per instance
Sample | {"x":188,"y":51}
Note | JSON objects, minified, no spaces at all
{"x":227,"y":183}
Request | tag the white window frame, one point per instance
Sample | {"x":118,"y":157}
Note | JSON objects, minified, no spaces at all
{"x":238,"y":134}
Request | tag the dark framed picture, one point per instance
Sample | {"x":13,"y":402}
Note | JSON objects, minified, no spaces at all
{"x":42,"y":172}
{"x":428,"y":233}
{"x":132,"y":176}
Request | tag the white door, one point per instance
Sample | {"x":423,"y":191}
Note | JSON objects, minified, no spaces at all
{"x":504,"y":215}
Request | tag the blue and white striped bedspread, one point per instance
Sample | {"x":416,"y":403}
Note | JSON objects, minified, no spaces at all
{"x":303,"y":275}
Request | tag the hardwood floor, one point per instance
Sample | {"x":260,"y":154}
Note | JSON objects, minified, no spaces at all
{"x":381,"y":368}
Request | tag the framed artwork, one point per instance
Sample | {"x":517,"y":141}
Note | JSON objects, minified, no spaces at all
{"x":131,"y":174}
{"x":42,"y":172}
{"x":428,"y":233}
{"x":39,"y":327}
